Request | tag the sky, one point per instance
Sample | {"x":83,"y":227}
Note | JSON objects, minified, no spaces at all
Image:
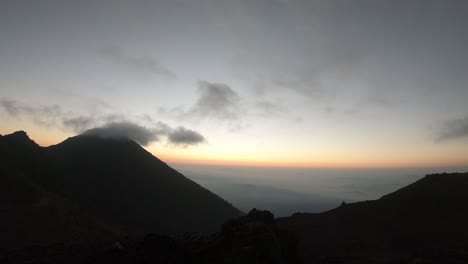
{"x":368,"y":83}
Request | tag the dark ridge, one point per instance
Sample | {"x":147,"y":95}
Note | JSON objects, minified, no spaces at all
{"x":19,"y":139}
{"x":427,"y":216}
{"x":20,"y":154}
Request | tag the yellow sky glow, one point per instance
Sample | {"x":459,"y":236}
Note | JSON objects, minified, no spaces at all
{"x":333,"y":156}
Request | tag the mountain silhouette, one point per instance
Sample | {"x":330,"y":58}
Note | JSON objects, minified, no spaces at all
{"x":91,"y":188}
{"x":112,"y":181}
{"x":30,"y":214}
{"x":427,"y":218}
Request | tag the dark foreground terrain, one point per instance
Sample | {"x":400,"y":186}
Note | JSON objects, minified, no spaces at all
{"x":253,"y":238}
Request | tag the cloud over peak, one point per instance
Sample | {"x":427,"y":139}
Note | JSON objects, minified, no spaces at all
{"x":144,"y":136}
{"x":124,"y":130}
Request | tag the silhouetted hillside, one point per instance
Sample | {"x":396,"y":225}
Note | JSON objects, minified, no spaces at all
{"x":425,"y":220}
{"x":250,"y":239}
{"x":29,"y":214}
{"x":115,"y":181}
{"x":121,"y":181}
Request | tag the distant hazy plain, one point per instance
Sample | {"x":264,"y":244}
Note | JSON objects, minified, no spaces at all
{"x":285,"y":191}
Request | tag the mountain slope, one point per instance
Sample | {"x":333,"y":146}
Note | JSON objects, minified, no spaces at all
{"x":125,"y":182}
{"x":95,"y":180}
{"x":430,"y":214}
{"x":29,"y":214}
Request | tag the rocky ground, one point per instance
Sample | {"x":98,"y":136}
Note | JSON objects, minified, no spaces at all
{"x":253,"y":238}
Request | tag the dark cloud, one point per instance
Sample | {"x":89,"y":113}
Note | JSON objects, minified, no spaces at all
{"x":454,"y":129}
{"x":179,"y":136}
{"x":161,"y":128}
{"x":184,"y":137}
{"x":145,"y":64}
{"x":216,"y":100}
{"x":126,"y":130}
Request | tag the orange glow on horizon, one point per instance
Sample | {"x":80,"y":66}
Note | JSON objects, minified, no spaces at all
{"x":307,"y":164}
{"x":363,"y":159}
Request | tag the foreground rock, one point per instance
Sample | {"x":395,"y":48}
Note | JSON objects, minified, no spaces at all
{"x":253,"y":238}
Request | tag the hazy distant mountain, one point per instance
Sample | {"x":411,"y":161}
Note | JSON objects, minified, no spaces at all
{"x":427,"y":218}
{"x":114,"y":180}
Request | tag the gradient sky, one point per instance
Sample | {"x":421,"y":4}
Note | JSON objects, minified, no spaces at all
{"x":249,"y":82}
